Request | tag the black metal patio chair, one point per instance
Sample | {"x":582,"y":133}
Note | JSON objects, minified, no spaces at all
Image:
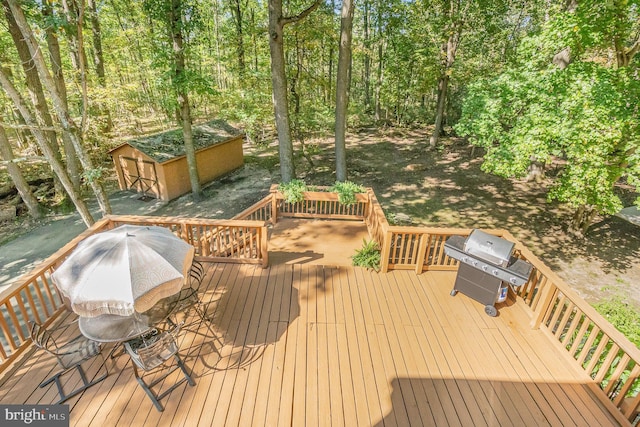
{"x":152,"y":352}
{"x":188,"y":297}
{"x":70,"y":356}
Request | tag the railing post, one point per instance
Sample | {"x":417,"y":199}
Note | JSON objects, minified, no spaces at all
{"x":542,"y":308}
{"x":385,"y":252}
{"x":264,"y":247}
{"x":183,"y":233}
{"x":274,"y":204}
{"x":422,"y":251}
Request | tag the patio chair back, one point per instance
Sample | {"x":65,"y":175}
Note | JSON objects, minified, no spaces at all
{"x":42,"y":338}
{"x":148,"y":352}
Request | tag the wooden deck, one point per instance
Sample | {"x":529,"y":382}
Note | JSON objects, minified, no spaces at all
{"x":311,"y":345}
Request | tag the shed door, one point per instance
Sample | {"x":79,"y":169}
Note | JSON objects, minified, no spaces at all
{"x":140,"y":175}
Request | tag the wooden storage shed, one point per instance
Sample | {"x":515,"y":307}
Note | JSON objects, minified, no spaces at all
{"x":156,"y":165}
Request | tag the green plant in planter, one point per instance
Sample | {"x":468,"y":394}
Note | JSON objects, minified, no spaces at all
{"x":347,"y":191}
{"x":293,"y":190}
{"x":368,"y":256}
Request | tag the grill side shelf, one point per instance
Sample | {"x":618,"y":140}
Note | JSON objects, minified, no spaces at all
{"x":520,"y":268}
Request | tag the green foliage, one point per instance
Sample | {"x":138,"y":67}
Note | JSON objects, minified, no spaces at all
{"x":293,"y":190}
{"x":391,"y":218}
{"x":585,"y":115}
{"x":94,"y":174}
{"x":347,"y":191}
{"x":624,"y":316}
{"x":368,"y":257}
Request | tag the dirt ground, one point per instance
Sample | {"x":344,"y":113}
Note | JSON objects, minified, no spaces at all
{"x":444,"y":187}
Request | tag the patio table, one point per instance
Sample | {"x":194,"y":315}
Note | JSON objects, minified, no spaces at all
{"x":113,"y":328}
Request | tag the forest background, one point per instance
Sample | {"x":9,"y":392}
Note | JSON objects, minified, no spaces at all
{"x":546,"y":90}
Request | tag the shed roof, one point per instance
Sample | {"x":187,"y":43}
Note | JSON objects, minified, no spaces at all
{"x":168,"y":145}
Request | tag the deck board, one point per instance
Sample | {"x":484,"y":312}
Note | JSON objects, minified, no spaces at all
{"x":306,"y":344}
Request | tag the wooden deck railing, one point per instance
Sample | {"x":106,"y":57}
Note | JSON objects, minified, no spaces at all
{"x":319,"y":205}
{"x":35,"y":298}
{"x":260,"y":211}
{"x":577,"y":329}
{"x":214,"y":240}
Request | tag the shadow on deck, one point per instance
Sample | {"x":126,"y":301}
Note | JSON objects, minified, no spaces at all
{"x":315,"y":242}
{"x":313,"y":341}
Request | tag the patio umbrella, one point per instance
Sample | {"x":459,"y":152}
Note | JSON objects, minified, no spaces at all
{"x":123,"y":271}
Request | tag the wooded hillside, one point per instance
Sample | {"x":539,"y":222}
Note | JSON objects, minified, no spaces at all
{"x":535,"y":83}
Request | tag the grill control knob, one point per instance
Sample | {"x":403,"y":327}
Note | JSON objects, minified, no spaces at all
{"x":495,"y":272}
{"x":465,"y":259}
{"x":474,"y":262}
{"x":484,"y":268}
{"x":513,"y":280}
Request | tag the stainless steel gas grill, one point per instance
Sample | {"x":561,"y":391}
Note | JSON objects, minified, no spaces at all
{"x":487,"y":267}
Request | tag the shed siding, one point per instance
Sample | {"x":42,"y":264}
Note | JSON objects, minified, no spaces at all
{"x":173,"y":175}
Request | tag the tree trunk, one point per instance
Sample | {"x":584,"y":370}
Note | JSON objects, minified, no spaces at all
{"x":236,"y":10}
{"x":535,"y":171}
{"x":33,"y":83}
{"x":66,"y":121}
{"x":277,"y":23}
{"x":279,"y":84}
{"x":443,"y":85}
{"x":330,"y":77}
{"x":582,"y":220}
{"x":179,"y":82}
{"x":56,"y":165}
{"x":82,"y":68}
{"x":73,"y":165}
{"x":18,"y":179}
{"x":71,"y":12}
{"x":297,"y":129}
{"x":449,"y":53}
{"x":98,"y":57}
{"x":367,"y":57}
{"x":342,"y":88}
{"x":379,"y":75}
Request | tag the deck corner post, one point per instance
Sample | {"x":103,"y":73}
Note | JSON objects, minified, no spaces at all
{"x":385,"y":252}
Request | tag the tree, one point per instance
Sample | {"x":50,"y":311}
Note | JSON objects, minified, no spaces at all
{"x":236,"y":11}
{"x":54,"y":162}
{"x":277,"y":22}
{"x":73,"y":165}
{"x":178,"y":18}
{"x":584,"y":113}
{"x":98,"y":56}
{"x":92,"y":174}
{"x":342,"y":88}
{"x":32,"y":80}
{"x":180,"y":82}
{"x":6,"y":153}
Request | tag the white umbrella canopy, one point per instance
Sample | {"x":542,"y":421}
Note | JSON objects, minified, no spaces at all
{"x":123,"y":271}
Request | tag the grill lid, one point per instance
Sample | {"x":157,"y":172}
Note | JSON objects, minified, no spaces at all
{"x":489,"y":247}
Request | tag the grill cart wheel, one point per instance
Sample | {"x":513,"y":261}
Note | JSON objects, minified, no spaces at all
{"x":490,"y":310}
{"x":453,"y":293}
